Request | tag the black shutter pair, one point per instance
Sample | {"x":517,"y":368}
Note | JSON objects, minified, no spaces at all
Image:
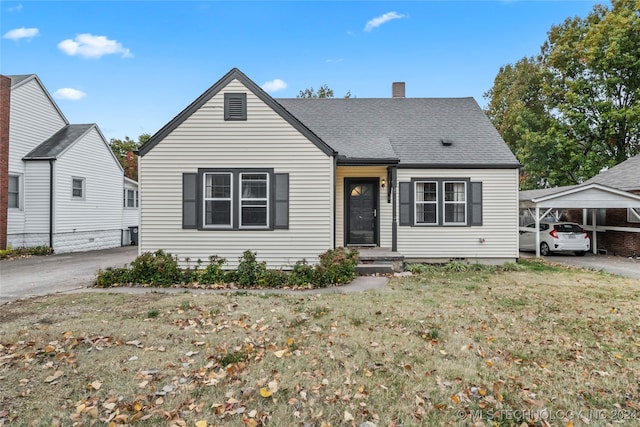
{"x":474,"y":205}
{"x":280,"y":200}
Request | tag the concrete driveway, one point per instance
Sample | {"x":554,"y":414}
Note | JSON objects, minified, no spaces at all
{"x":41,"y":275}
{"x":621,"y":266}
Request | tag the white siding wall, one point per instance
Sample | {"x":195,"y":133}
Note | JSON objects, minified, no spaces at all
{"x":385,"y":212}
{"x":129,"y":215}
{"x":33,"y":119}
{"x":265,"y":140}
{"x":100,"y":211}
{"x":500,"y":220}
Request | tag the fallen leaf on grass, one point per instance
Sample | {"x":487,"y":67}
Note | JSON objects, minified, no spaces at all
{"x":95,"y":385}
{"x":264,"y":392}
{"x":55,"y":376}
{"x":279,"y":353}
{"x":202,"y":423}
{"x":348,"y":416}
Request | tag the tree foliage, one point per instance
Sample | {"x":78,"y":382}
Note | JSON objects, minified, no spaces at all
{"x":574,"y":109}
{"x":323,"y":92}
{"x":125,"y":149}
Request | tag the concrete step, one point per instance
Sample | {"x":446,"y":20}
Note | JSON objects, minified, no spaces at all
{"x":377,"y":268}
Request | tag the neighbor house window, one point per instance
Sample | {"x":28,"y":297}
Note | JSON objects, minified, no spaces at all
{"x":254,"y":199}
{"x":633,"y":215}
{"x":77,"y":188}
{"x":14,"y":191}
{"x":130,"y":198}
{"x":217,"y":200}
{"x":455,"y":202}
{"x":426,"y":206}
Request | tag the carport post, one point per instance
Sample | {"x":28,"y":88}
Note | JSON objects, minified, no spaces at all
{"x":594,"y":242}
{"x":537,"y":232}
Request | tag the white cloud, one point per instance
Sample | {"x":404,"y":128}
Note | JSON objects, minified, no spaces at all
{"x":21,"y":33}
{"x":274,"y":85}
{"x":90,"y":46}
{"x":17,"y":8}
{"x":69,"y":94}
{"x":376,"y":22}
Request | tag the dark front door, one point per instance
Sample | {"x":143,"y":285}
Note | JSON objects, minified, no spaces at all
{"x":361,"y":211}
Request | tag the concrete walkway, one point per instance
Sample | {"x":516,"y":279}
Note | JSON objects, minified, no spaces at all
{"x":620,"y":266}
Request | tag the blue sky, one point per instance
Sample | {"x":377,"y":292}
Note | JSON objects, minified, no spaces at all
{"x":132,"y":66}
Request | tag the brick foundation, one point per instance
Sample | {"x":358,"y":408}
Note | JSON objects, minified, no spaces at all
{"x":5,"y":106}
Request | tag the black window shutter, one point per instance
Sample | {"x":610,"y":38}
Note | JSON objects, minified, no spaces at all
{"x":189,"y":200}
{"x":405,"y":203}
{"x":475,"y":204}
{"x":282,"y":200}
{"x":235,"y":106}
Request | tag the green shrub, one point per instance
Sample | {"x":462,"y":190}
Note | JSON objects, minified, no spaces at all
{"x":249,"y":270}
{"x":113,"y":276}
{"x":157,"y":269}
{"x":456,"y":267}
{"x":23,"y":251}
{"x":272,"y":279}
{"x":421,"y":268}
{"x":213,"y":272}
{"x":511,"y":266}
{"x":302,"y":274}
{"x":336,"y":266}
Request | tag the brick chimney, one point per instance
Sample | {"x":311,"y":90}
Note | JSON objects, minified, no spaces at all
{"x":397,"y":90}
{"x":5,"y":105}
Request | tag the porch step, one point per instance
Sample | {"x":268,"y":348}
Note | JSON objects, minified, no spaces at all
{"x":387,"y":260}
{"x":371,"y":269}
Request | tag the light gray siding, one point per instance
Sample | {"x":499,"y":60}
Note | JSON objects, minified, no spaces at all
{"x":264,"y":140}
{"x":101,"y":207}
{"x":29,"y":105}
{"x":385,"y":213}
{"x":496,"y":239}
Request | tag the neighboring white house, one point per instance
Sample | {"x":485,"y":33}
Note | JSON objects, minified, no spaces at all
{"x":65,"y":184}
{"x":237,"y":169}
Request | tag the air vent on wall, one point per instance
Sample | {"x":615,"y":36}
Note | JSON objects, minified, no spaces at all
{"x":446,"y":142}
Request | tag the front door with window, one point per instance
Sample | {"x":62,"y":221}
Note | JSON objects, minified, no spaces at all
{"x":361,"y":209}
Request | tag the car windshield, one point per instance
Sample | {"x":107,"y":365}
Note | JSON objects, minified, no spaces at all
{"x":567,"y":228}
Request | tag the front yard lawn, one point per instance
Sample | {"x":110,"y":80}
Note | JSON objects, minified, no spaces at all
{"x":541,"y":346}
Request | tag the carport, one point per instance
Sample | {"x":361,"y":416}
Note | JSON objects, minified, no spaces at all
{"x":586,"y":196}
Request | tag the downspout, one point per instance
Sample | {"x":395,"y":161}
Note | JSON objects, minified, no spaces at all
{"x":335,"y":206}
{"x":51,"y":203}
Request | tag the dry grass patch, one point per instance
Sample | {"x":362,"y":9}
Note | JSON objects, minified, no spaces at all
{"x":544,"y":346}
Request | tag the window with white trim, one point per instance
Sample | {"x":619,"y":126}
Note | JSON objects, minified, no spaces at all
{"x":455,"y":202}
{"x":426,"y":202}
{"x":130,"y":198}
{"x":254,"y":200}
{"x":218,"y":206}
{"x":77,"y":188}
{"x":633,"y":214}
{"x":14,"y":192}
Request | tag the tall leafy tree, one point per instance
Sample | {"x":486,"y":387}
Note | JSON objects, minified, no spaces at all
{"x":125,"y":149}
{"x":323,"y":92}
{"x":575,"y":109}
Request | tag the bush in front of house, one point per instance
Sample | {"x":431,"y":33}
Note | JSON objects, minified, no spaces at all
{"x":161,"y":269}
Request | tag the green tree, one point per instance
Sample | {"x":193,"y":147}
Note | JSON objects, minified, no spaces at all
{"x":575,"y":108}
{"x":125,"y":149}
{"x":323,"y":92}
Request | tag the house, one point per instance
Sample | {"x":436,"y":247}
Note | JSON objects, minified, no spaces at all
{"x":63,"y":186}
{"x":430,"y":179}
{"x":618,"y":229}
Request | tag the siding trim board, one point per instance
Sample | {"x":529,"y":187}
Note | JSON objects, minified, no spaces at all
{"x":234,"y":74}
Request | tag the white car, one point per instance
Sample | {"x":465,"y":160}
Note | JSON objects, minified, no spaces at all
{"x":555,"y":236}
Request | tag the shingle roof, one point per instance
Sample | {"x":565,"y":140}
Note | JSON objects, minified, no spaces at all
{"x":408,"y":129}
{"x":18,"y":78}
{"x":58,"y":142}
{"x":624,"y":176}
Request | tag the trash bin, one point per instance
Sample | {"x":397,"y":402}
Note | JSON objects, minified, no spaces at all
{"x":133,"y":235}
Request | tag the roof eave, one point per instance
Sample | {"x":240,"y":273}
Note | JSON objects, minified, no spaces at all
{"x":459,"y":165}
{"x":346,"y":161}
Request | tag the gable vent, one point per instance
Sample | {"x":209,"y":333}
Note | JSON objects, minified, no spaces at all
{"x":446,"y":142}
{"x":235,"y":106}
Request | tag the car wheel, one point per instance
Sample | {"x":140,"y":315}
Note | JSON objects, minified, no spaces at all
{"x":580,"y":253}
{"x":544,"y":249}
